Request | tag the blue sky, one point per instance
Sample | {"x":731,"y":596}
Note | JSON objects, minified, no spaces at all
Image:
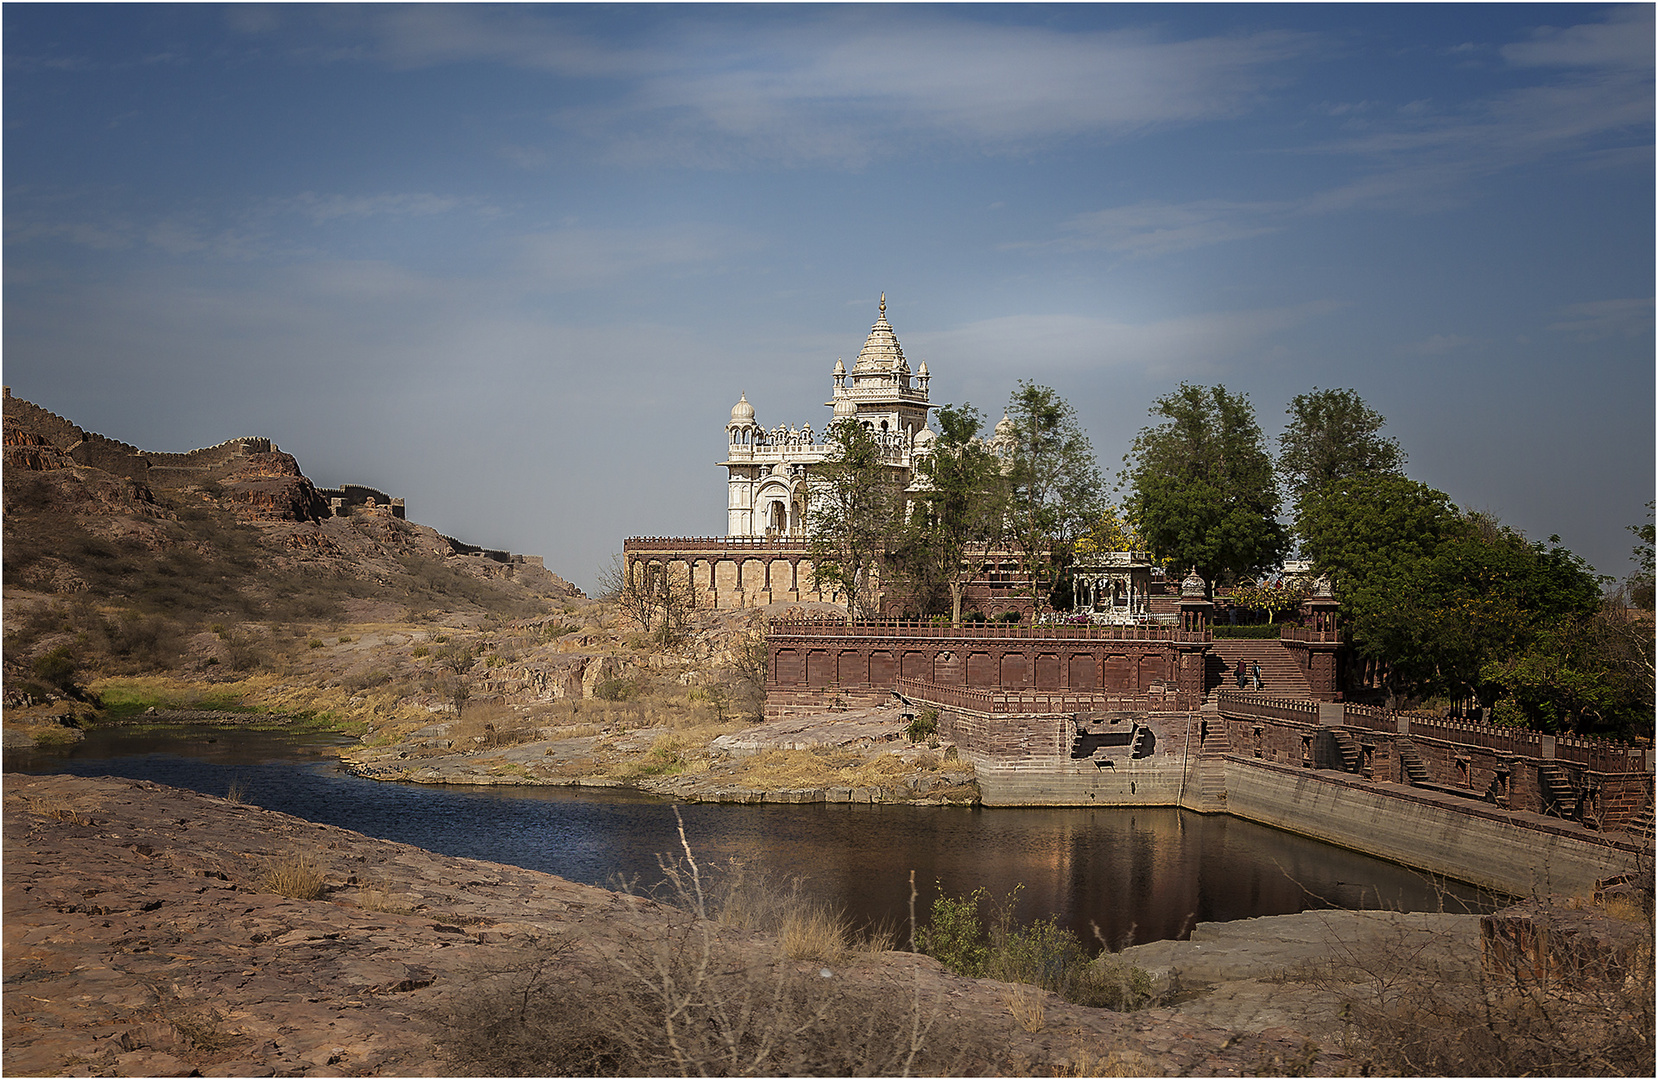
{"x":516,"y":264}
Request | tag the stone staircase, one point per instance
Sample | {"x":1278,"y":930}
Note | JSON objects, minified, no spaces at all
{"x":1416,"y":772}
{"x":1281,"y":676}
{"x":1559,"y":797}
{"x":1348,"y":749}
{"x":1211,"y":773}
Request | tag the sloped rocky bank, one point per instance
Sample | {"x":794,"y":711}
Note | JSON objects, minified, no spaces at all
{"x":857,"y":756}
{"x":142,"y":938}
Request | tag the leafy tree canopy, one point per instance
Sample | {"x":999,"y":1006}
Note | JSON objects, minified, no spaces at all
{"x":853,"y":500}
{"x":1638,"y":589}
{"x":1364,"y":531}
{"x":1201,"y":489}
{"x":1111,"y":531}
{"x":958,"y":511}
{"x":1333,"y":435}
{"x":1053,"y":482}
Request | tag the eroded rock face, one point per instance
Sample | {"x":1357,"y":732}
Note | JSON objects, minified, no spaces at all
{"x":270,"y":487}
{"x":140,"y":939}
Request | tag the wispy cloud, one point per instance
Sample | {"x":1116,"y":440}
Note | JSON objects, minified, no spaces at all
{"x":1623,"y":41}
{"x":96,"y":219}
{"x":1442,"y":344}
{"x":840,"y":86}
{"x":325,"y":208}
{"x":1419,"y":156}
{"x":1035,"y":343}
{"x":1159,"y":228}
{"x":1601,"y":319}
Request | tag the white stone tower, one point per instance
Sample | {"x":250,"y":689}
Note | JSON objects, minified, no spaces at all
{"x":767,"y":470}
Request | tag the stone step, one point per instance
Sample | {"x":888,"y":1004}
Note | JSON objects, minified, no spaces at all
{"x":1281,"y":676}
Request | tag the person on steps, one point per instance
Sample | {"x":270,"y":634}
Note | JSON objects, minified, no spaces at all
{"x":1255,"y":673}
{"x":1242,"y":674}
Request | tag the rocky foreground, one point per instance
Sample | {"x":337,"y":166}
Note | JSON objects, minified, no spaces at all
{"x":142,"y":938}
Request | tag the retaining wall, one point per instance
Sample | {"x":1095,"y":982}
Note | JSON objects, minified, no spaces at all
{"x":1151,"y":782}
{"x":1474,"y":843}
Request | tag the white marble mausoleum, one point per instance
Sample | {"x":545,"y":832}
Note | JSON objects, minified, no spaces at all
{"x":767,"y":471}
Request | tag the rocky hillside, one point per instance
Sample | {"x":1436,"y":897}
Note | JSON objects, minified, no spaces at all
{"x":220,"y":585}
{"x":115,"y":558}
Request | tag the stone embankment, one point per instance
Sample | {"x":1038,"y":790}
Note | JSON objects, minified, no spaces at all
{"x":142,"y":938}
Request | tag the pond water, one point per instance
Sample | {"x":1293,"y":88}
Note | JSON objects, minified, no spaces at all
{"x":1137,"y":875}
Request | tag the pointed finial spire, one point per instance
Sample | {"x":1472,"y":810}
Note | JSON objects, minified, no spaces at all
{"x":883,"y":305}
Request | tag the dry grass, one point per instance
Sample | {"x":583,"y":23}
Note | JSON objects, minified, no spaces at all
{"x":492,"y":725}
{"x":1028,"y":1008}
{"x":1117,"y":1060}
{"x":295,"y":877}
{"x":382,"y":901}
{"x":57,"y":810}
{"x":785,"y":769}
{"x":813,"y":933}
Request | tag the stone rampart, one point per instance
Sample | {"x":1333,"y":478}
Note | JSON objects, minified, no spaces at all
{"x":358,"y":498}
{"x":59,"y":431}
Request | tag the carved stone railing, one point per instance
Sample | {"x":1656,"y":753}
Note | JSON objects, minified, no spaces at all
{"x":905,"y":628}
{"x":1025,"y":702}
{"x":1289,"y":632}
{"x":1597,"y":755}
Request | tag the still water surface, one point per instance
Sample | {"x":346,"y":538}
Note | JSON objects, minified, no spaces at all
{"x":1138,"y":875}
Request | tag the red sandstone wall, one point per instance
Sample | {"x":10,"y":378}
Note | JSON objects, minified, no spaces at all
{"x":984,"y":659}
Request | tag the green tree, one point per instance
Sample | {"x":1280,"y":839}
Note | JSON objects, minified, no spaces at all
{"x":1332,"y":435}
{"x":1201,"y":488}
{"x":956,"y":516}
{"x":854,"y":499}
{"x":1638,"y":589}
{"x":1366,"y":531}
{"x":1582,"y":674}
{"x":1110,"y":531}
{"x":1053,"y":483}
{"x":59,"y":670}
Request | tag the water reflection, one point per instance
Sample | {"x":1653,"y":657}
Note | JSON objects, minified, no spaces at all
{"x":1137,"y":875}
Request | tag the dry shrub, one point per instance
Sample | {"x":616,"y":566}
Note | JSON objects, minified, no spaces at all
{"x":677,"y":1007}
{"x":1118,"y":1060}
{"x":737,"y":896}
{"x":295,"y":877}
{"x":492,"y":725}
{"x":1415,"y":1007}
{"x":684,"y":1001}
